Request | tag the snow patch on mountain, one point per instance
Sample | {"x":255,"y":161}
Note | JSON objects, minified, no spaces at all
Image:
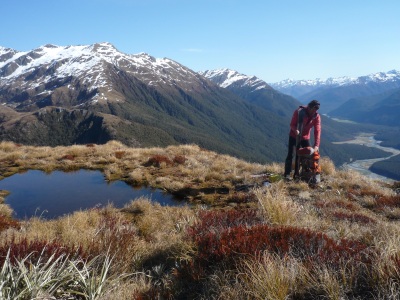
{"x":88,"y":61}
{"x":3,"y":50}
{"x":226,"y":78}
{"x":379,"y":77}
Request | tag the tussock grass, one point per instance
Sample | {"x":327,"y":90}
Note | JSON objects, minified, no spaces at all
{"x":149,"y":218}
{"x":153,"y":244}
{"x":271,"y":277}
{"x":327,"y":166}
{"x":5,"y":210}
{"x":7,"y":146}
{"x":276,"y":206}
{"x":264,"y":277}
{"x":327,"y":284}
{"x":57,"y":277}
{"x":275,"y":168}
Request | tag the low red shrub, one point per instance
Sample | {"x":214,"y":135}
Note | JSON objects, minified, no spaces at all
{"x":364,"y":192}
{"x":68,"y":157}
{"x":38,"y":249}
{"x":388,"y":201}
{"x":119,"y":154}
{"x":225,"y":235}
{"x":179,"y":159}
{"x":303,"y":244}
{"x":336,"y":204}
{"x":396,"y":261}
{"x":242,"y":198}
{"x":353,"y":217}
{"x":222,"y":219}
{"x":6,"y":223}
{"x":157,"y":160}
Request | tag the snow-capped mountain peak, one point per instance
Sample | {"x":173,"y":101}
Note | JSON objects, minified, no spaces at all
{"x":380,"y":77}
{"x":230,"y":78}
{"x":89,"y":66}
{"x":3,"y":51}
{"x":333,"y":92}
{"x":75,"y":59}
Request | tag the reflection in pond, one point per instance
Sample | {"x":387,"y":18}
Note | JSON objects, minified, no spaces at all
{"x":36,"y":193}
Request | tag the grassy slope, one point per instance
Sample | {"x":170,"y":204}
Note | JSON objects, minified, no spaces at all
{"x":295,"y":238}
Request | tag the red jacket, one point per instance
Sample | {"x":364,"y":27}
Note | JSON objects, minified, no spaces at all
{"x":309,"y":121}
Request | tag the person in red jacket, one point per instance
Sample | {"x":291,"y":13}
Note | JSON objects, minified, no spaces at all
{"x":303,"y":120}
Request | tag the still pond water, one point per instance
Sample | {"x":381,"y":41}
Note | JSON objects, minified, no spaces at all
{"x":36,"y":193}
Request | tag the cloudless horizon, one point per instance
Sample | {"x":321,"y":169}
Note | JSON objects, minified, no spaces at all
{"x":273,"y":40}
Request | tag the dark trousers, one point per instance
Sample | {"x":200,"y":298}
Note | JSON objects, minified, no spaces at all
{"x":289,"y":157}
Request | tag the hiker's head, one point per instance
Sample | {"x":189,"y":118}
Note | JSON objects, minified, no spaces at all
{"x":313,"y":105}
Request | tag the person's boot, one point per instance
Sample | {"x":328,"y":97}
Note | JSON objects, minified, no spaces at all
{"x":288,"y":168}
{"x":296,"y":168}
{"x":287,"y":177}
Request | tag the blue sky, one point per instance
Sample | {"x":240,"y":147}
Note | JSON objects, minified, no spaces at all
{"x":273,"y":40}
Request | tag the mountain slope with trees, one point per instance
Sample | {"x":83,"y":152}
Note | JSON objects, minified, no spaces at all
{"x":389,"y":167}
{"x":254,"y":90}
{"x":96,"y":93}
{"x":382,"y":109}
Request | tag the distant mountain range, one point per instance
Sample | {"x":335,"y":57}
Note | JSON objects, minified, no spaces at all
{"x":333,"y":92}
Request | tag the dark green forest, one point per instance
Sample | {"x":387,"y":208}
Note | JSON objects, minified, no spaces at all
{"x":390,"y":137}
{"x":388,"y":167}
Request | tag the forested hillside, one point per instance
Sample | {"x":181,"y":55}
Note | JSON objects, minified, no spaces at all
{"x":388,"y":167}
{"x":381,"y":109}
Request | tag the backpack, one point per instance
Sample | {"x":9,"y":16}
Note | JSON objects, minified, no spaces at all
{"x":309,"y":168}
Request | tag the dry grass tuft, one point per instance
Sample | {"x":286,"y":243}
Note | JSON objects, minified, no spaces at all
{"x":5,"y":211}
{"x":8,"y":146}
{"x":327,"y":166}
{"x":271,"y":277}
{"x":274,"y":168}
{"x":276,"y":206}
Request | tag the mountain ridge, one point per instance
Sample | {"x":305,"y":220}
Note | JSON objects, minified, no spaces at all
{"x":227,"y":77}
{"x":333,"y":92}
{"x":170,"y":103}
{"x":254,"y":90}
{"x":392,"y":75}
{"x":90,"y":62}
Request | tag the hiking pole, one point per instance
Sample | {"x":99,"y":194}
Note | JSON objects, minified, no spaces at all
{"x":296,"y":160}
{"x":298,"y":141}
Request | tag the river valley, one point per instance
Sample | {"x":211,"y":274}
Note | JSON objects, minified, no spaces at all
{"x":362,"y":166}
